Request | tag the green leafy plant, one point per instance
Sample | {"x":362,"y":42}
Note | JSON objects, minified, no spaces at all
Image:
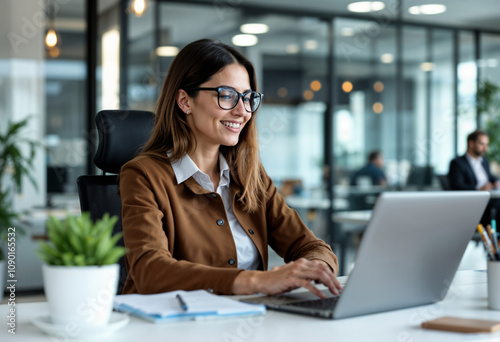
{"x":77,"y":241}
{"x":14,"y":165}
{"x":488,"y":104}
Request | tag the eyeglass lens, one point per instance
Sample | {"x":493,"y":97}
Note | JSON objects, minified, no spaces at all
{"x":228,"y":99}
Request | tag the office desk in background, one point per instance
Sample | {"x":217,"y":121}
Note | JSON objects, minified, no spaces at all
{"x":495,"y":193}
{"x":466,"y":298}
{"x":359,"y":217}
{"x":351,"y":223}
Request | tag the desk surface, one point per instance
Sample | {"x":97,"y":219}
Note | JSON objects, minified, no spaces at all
{"x":466,"y":298}
{"x":495,"y":193}
{"x":354,"y":216}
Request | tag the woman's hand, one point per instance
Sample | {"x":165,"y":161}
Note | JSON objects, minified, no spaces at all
{"x":288,"y":277}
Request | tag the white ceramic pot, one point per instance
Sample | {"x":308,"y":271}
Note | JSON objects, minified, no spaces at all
{"x":2,"y":279}
{"x":81,"y":295}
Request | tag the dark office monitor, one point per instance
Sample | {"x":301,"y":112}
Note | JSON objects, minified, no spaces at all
{"x":420,"y":176}
{"x":56,"y":178}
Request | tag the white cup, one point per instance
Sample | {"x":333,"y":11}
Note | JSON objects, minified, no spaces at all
{"x":494,"y":285}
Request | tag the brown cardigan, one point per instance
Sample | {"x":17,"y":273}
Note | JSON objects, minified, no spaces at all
{"x":179,"y":238}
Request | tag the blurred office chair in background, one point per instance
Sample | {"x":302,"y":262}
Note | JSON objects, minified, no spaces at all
{"x":420,"y":177}
{"x":444,"y":182}
{"x":122,"y":133}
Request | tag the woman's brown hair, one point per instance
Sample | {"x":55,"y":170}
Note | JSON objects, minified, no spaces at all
{"x":195,"y":64}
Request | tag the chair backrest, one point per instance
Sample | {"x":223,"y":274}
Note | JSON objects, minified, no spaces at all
{"x":122,"y":133}
{"x":420,"y":176}
{"x":444,"y":181}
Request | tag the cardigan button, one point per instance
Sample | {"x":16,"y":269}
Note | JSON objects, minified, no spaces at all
{"x":231,"y":262}
{"x":251,"y":231}
{"x":220,"y":222}
{"x":212,"y":195}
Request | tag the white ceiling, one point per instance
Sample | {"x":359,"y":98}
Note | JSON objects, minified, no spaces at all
{"x":222,"y":18}
{"x":483,"y":14}
{"x":472,"y":14}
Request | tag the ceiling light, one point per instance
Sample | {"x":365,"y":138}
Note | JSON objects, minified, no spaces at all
{"x":54,"y":52}
{"x":387,"y":58}
{"x":282,"y":92}
{"x":366,"y":6}
{"x":315,"y":85}
{"x":347,"y":86}
{"x":138,"y":7}
{"x":308,"y":95}
{"x":347,"y":31}
{"x":378,"y":107}
{"x":415,"y":10}
{"x":378,"y":86}
{"x":427,"y":66}
{"x":167,"y":51}
{"x":51,"y":38}
{"x":292,"y":48}
{"x":254,"y":28}
{"x":311,"y":44}
{"x":430,"y":9}
{"x":245,"y":40}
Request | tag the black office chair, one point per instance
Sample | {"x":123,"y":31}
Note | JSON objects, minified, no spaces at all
{"x":122,"y":133}
{"x":444,"y":182}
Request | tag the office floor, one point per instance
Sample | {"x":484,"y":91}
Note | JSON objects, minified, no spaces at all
{"x":474,"y":259}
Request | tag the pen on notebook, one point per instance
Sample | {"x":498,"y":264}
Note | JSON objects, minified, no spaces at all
{"x":182,"y":303}
{"x":486,"y":241}
{"x":495,"y":237}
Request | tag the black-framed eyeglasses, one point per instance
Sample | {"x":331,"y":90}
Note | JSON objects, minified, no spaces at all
{"x":228,"y":98}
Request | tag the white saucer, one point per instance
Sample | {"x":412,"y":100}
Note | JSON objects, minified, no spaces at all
{"x":116,"y":321}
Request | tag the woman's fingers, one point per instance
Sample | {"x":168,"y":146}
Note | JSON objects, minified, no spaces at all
{"x":327,"y":277}
{"x":300,"y":274}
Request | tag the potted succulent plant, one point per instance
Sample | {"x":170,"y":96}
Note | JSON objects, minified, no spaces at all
{"x":15,"y":164}
{"x":80,"y":272}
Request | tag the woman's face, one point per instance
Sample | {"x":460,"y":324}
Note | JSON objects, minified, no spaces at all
{"x":212,"y":125}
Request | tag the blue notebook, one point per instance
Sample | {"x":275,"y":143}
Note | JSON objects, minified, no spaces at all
{"x":199,"y":304}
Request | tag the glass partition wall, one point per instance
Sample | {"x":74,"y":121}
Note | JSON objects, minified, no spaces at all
{"x":66,"y":135}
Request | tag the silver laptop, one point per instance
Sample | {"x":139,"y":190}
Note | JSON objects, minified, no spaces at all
{"x":408,"y":255}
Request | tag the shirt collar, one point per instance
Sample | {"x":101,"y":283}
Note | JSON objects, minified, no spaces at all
{"x":185,"y":168}
{"x":224,"y":170}
{"x":471,"y":159}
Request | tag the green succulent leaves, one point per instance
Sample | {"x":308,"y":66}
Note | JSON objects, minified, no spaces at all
{"x":77,"y":241}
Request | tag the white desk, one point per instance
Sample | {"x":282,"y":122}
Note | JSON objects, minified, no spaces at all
{"x":495,"y":193}
{"x":355,"y":217}
{"x":352,"y":222}
{"x":320,"y":203}
{"x":466,"y":298}
{"x":299,"y":202}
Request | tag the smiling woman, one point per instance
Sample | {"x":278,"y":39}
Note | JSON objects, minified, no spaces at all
{"x":199,"y":210}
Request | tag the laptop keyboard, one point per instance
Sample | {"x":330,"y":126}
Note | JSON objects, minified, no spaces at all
{"x":320,"y":304}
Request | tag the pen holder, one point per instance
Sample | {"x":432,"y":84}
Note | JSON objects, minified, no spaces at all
{"x":494,"y":285}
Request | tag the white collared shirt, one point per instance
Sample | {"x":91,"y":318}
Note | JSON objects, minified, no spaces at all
{"x":479,"y":171}
{"x":184,"y":168}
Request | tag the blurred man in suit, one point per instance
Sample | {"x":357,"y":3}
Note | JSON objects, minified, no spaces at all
{"x":472,"y":170}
